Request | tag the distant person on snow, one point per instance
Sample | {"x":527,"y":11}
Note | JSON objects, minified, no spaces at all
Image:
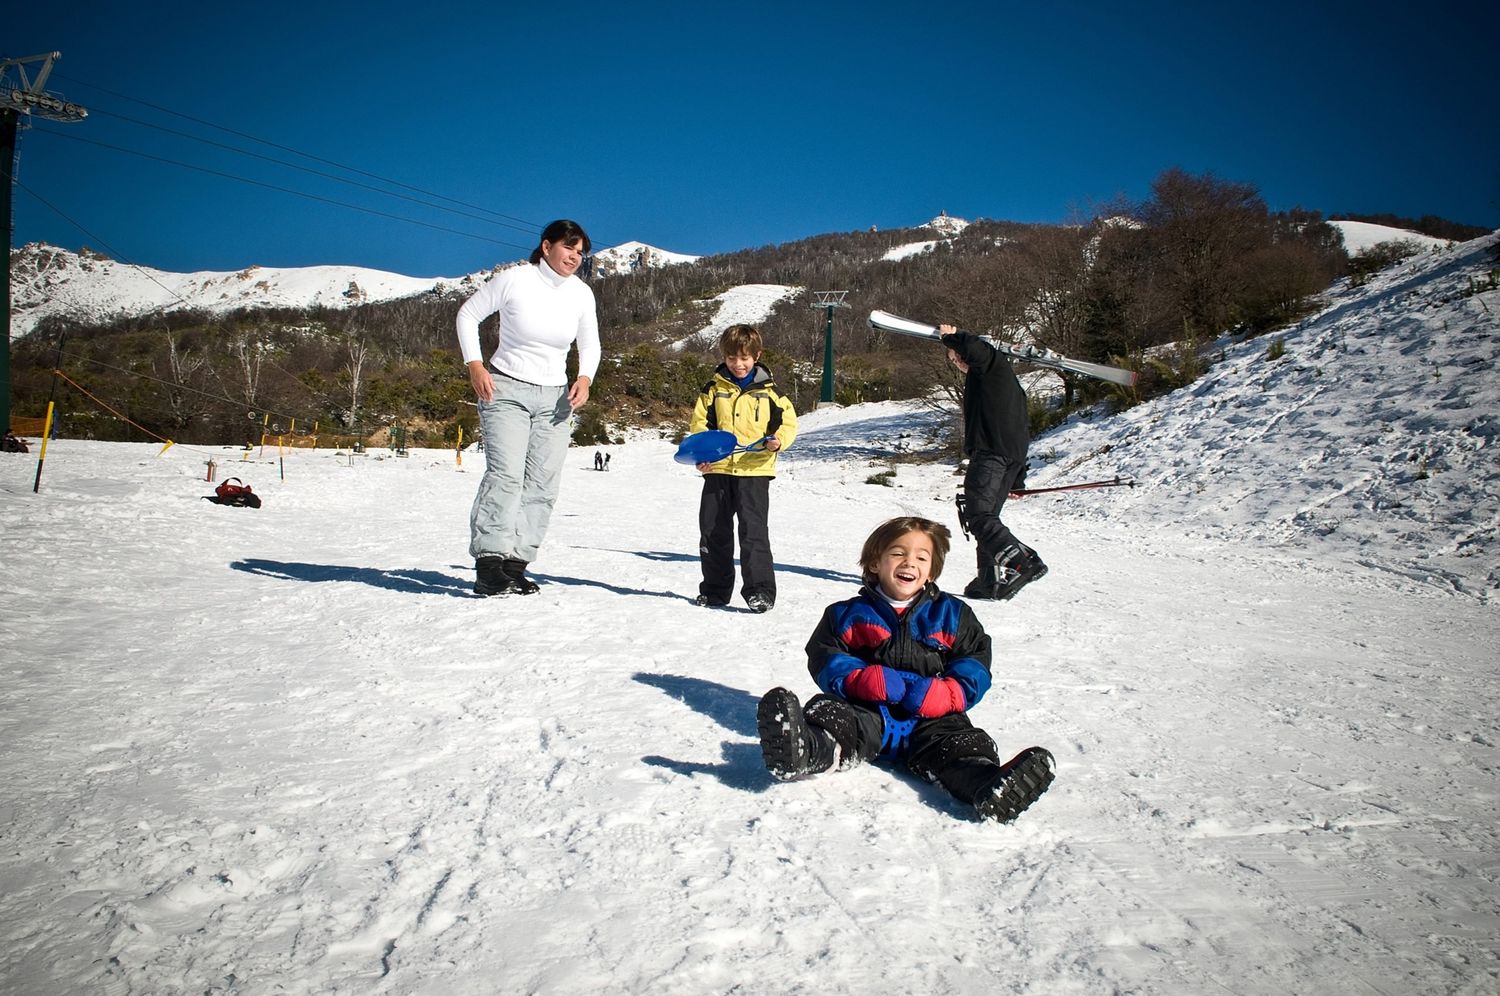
{"x":997,"y":435}
{"x":900,"y":666}
{"x":14,"y":443}
{"x":742,"y":398}
{"x":525,"y":402}
{"x":598,"y":460}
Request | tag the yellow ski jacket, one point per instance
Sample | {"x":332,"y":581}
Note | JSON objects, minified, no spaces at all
{"x":751,"y":413}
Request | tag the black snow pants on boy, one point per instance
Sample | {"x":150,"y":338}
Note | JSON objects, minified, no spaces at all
{"x":727,"y":497}
{"x":949,"y":750}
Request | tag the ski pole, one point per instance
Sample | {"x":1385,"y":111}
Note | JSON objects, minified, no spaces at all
{"x":1116,"y":482}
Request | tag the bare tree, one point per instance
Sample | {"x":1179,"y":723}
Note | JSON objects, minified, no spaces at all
{"x":358,"y":350}
{"x":1203,"y":228}
{"x":183,"y":401}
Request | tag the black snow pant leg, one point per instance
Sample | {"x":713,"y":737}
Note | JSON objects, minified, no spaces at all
{"x":754,"y":507}
{"x":856,"y":728}
{"x":956,"y":754}
{"x":987,"y":483}
{"x":716,"y":537}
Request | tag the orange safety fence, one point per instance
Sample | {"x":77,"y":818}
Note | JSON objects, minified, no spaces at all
{"x":27,"y":426}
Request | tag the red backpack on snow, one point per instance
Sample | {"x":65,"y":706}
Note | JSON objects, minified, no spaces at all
{"x":238,"y":495}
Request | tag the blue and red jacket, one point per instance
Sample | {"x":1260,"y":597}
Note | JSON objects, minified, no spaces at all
{"x":937,"y":636}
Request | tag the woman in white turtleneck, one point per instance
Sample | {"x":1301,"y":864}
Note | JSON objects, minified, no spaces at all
{"x":525,"y":401}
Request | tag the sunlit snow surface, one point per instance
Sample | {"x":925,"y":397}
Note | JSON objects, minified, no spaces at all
{"x":286,"y":750}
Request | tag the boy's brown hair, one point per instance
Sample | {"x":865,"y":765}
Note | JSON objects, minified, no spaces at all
{"x":890,"y":531}
{"x":740,"y":339}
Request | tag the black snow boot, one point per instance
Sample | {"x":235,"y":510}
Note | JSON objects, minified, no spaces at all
{"x":1006,"y":573}
{"x":490,"y":577}
{"x":791,"y":748}
{"x":520,"y":584}
{"x":1021,"y":782}
{"x":1016,"y":567}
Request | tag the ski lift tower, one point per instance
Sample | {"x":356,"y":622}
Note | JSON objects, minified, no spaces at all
{"x":22,"y":95}
{"x":828,"y":300}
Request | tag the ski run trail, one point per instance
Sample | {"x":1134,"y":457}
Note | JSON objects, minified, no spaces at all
{"x":286,"y":750}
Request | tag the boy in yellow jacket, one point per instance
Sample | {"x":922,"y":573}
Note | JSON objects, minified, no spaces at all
{"x":741,"y":398}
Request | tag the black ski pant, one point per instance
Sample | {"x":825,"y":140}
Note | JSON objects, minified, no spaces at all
{"x":725,"y":499}
{"x":987,"y":483}
{"x":949,"y":750}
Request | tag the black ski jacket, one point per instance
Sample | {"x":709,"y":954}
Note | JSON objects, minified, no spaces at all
{"x":995,"y":417}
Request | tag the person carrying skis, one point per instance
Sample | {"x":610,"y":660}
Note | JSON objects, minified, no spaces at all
{"x":997,"y":435}
{"x":742,"y":398}
{"x":900,"y":665}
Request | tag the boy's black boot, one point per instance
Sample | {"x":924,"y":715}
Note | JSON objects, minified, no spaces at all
{"x":520,"y":584}
{"x":791,"y":748}
{"x":490,"y":577}
{"x":760,"y":601}
{"x":1021,"y":782}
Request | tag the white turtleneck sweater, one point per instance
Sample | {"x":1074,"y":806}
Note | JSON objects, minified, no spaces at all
{"x":542,"y":313}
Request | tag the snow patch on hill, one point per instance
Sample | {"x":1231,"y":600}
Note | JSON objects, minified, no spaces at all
{"x":747,"y":304}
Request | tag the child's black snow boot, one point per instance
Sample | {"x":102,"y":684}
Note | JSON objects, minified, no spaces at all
{"x":1022,"y":781}
{"x":791,"y":748}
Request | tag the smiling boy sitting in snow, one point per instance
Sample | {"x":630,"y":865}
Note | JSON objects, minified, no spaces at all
{"x":900,"y":665}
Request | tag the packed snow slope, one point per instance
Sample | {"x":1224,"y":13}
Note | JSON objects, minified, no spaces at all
{"x":1378,"y":425}
{"x":286,"y":750}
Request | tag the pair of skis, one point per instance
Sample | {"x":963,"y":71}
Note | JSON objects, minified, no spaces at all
{"x":1034,"y":355}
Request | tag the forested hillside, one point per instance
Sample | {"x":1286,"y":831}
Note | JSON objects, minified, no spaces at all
{"x":1141,"y":285}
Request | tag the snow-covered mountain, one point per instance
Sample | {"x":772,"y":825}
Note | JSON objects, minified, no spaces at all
{"x":47,"y":280}
{"x":945,"y":225}
{"x":633,"y":257}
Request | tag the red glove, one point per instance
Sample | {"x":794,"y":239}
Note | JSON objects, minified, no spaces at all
{"x":941,"y":697}
{"x":875,"y":684}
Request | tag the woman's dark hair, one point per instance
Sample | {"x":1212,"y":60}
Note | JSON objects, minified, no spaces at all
{"x":564,"y":231}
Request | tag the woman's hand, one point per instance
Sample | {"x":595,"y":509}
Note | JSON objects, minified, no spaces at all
{"x":480,"y":380}
{"x":773,"y":444}
{"x":578,"y":394}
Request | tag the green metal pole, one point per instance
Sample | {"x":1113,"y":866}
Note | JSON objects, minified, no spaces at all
{"x":8,"y":122}
{"x":828,"y":358}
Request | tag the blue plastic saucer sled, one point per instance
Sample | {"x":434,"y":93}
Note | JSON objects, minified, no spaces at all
{"x":712,"y":446}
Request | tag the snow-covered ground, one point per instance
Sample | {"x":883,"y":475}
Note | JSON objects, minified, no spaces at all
{"x":285,"y":750}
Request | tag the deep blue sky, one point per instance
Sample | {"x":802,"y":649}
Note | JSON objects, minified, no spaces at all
{"x":705,"y":127}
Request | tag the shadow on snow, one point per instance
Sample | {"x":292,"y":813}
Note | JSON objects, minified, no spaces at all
{"x":731,"y":708}
{"x":662,"y":556}
{"x":407,"y":580}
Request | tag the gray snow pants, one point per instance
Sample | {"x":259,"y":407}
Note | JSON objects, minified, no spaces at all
{"x":526,"y":430}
